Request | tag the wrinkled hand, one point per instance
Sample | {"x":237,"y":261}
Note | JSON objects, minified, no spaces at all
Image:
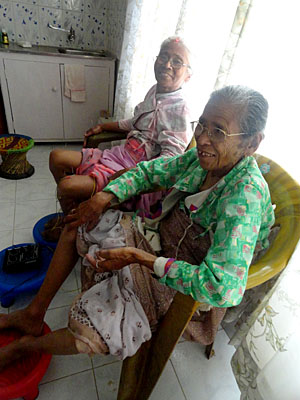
{"x":92,"y":131}
{"x":89,"y":211}
{"x":114,"y":259}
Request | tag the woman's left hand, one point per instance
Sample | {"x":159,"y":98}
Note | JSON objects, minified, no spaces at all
{"x":114,"y":259}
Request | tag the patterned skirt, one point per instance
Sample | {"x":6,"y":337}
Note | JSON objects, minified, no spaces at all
{"x":116,"y":312}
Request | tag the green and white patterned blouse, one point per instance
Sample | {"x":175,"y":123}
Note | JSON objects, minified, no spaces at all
{"x":238,"y":211}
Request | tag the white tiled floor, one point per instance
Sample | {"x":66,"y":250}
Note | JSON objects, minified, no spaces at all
{"x":187,"y":376}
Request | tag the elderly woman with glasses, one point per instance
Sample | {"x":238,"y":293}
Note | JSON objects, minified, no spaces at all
{"x":217,"y":211}
{"x":160,"y":127}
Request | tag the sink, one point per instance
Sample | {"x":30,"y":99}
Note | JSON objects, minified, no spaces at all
{"x":83,"y":53}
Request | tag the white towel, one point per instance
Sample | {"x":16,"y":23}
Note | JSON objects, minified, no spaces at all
{"x":75,"y":82}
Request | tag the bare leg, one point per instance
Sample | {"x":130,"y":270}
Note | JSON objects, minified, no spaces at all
{"x":30,"y":320}
{"x":60,"y":342}
{"x":63,"y":162}
{"x":72,"y":190}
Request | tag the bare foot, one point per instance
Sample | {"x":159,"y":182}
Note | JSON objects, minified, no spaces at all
{"x":24,"y":321}
{"x":15,"y":350}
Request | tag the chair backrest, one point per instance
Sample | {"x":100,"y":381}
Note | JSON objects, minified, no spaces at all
{"x":285,"y":194}
{"x":193,"y":141}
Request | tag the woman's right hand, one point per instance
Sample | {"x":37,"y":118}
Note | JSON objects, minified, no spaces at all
{"x":117,"y":258}
{"x":92,"y":131}
{"x":89,"y":211}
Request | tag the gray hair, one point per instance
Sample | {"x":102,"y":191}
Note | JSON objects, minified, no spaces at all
{"x":180,"y":41}
{"x":251,"y":106}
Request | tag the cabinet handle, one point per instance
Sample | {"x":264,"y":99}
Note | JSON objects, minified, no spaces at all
{"x":54,"y":89}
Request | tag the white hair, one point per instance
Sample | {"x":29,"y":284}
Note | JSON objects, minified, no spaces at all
{"x":251,"y":106}
{"x":179,"y":40}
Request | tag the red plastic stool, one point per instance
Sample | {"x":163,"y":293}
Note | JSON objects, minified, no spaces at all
{"x":21,"y":379}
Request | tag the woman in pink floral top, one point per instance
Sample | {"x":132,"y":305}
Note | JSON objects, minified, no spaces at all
{"x":160,"y":127}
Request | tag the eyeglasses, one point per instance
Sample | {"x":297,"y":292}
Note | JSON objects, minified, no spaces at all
{"x":175,"y":62}
{"x":215,"y":134}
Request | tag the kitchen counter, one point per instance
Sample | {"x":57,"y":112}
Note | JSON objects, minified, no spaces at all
{"x":55,"y":51}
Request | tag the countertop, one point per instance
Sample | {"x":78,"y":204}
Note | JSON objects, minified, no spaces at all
{"x":53,"y":51}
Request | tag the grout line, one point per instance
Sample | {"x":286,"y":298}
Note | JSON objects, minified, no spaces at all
{"x":104,"y":365}
{"x":178,"y":379}
{"x":66,"y":376}
{"x":95,"y":382}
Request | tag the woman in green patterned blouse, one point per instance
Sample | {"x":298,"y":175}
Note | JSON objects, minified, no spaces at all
{"x":217,"y":211}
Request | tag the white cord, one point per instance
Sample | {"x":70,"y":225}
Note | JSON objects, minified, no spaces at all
{"x":180,"y":241}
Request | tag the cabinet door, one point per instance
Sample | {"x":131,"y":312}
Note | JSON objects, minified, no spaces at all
{"x":79,"y":117}
{"x":35,"y":97}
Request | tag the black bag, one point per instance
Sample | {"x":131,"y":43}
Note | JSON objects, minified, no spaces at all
{"x":22,"y":258}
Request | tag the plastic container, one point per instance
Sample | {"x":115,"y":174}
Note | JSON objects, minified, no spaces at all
{"x":21,"y":378}
{"x":39,"y":228}
{"x":5,"y":37}
{"x":12,"y":285}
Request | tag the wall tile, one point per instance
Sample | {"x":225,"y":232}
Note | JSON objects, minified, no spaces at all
{"x":50,"y":36}
{"x":116,"y":15}
{"x":98,"y":24}
{"x":74,"y":19}
{"x":32,"y":2}
{"x":96,"y":6}
{"x":95,"y":27}
{"x":7,"y":19}
{"x":75,"y":5}
{"x":26,"y":22}
{"x":50,"y":3}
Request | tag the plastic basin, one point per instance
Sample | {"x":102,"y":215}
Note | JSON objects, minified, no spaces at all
{"x":21,"y":378}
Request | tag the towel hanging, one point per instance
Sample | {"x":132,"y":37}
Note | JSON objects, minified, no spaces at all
{"x":75,"y":82}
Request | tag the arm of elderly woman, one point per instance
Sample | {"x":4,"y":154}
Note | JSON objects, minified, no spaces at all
{"x":89,"y":211}
{"x":131,"y":183}
{"x":148,"y":175}
{"x":243,"y":213}
{"x":113,"y":259}
{"x":221,"y":278}
{"x":109,"y":126}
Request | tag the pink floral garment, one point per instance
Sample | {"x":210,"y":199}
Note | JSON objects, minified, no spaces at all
{"x":160,"y":127}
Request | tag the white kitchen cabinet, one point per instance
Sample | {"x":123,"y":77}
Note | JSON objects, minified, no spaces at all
{"x":35,"y":98}
{"x":78,"y":117}
{"x":33,"y":93}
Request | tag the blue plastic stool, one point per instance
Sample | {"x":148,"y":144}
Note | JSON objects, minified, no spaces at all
{"x":39,"y":228}
{"x":12,"y":285}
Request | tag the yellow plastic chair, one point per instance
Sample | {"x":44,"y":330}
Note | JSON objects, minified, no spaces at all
{"x":141,"y":372}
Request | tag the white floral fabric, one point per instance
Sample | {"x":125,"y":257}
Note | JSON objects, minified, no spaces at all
{"x":111,"y":305}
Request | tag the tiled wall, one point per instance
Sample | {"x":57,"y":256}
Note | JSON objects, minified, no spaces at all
{"x":98,"y":24}
{"x":116,"y":13}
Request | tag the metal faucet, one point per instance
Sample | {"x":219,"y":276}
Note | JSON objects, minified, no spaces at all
{"x":71,"y":32}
